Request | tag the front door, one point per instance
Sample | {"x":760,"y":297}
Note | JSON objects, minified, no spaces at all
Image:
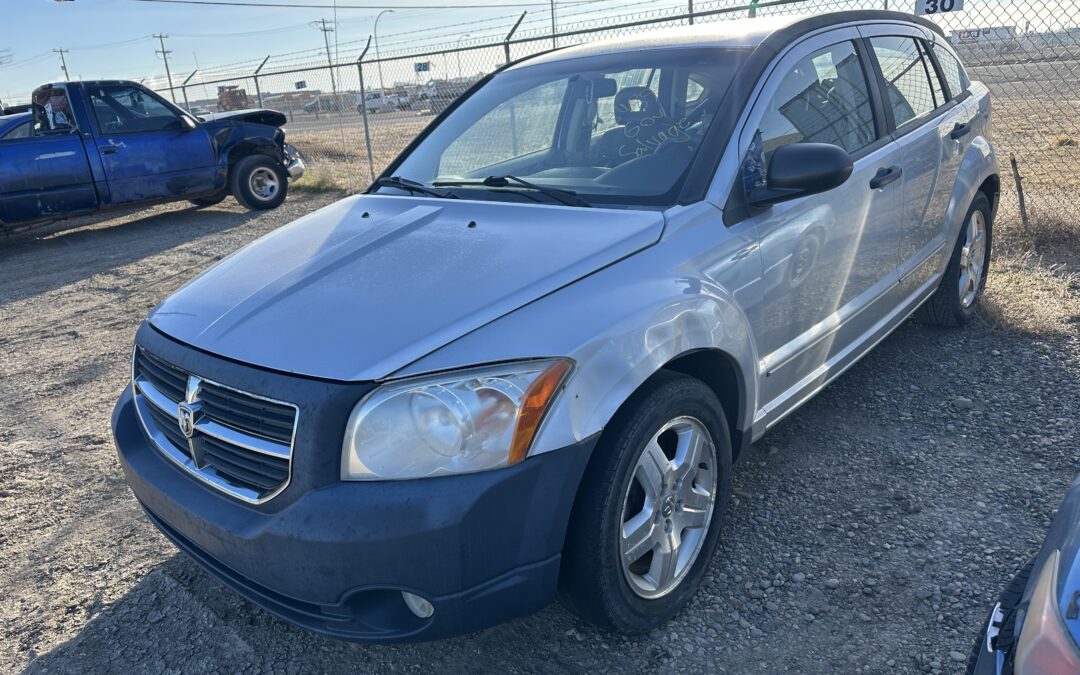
{"x":829,"y":260}
{"x":146,"y":148}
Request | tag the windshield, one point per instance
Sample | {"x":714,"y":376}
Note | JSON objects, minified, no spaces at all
{"x":616,"y":129}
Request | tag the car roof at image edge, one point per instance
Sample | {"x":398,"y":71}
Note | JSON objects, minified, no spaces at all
{"x":740,"y":33}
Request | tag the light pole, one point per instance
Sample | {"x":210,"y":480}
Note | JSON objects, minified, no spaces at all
{"x":458,"y":49}
{"x":375,"y":31}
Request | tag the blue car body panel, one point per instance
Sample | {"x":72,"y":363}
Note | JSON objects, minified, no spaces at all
{"x":56,"y":175}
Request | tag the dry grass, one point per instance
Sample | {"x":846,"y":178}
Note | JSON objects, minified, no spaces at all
{"x":320,"y":179}
{"x":1030,"y":294}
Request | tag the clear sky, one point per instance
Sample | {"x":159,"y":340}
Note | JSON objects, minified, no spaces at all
{"x":112,"y":38}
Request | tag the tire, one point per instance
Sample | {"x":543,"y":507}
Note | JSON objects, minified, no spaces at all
{"x":950,"y":305}
{"x":259,"y":182}
{"x":211,"y":200}
{"x":594,"y":582}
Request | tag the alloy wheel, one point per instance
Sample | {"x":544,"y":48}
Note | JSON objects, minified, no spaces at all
{"x":667,"y":507}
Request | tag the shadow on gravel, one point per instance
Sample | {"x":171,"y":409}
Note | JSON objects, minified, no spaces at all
{"x":82,"y":248}
{"x":180,"y":619}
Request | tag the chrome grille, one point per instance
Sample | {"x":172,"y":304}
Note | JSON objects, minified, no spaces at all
{"x":239,"y":443}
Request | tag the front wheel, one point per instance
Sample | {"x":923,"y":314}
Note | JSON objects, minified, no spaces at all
{"x":957,"y":297}
{"x":259,"y":182}
{"x":647,"y":517}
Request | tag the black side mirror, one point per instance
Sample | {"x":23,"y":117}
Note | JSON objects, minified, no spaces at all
{"x":801,"y":169}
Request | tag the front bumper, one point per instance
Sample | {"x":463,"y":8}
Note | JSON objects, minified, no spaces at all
{"x":294,"y":163}
{"x":334,"y":556}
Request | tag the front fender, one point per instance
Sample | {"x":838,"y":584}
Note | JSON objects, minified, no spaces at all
{"x":619,"y":325}
{"x":236,"y":139}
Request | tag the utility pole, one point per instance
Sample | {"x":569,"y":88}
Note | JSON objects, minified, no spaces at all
{"x":326,"y":30}
{"x":63,"y":63}
{"x":165,"y":55}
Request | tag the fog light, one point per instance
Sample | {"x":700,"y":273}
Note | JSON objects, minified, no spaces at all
{"x":417,"y":605}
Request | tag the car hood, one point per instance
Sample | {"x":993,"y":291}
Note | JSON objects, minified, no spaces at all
{"x":369,"y":284}
{"x":256,"y":115}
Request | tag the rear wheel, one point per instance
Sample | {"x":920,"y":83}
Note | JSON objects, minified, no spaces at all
{"x":259,"y":182}
{"x":647,"y":517}
{"x":957,"y":297}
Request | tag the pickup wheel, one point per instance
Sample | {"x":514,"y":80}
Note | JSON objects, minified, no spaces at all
{"x":957,"y":297}
{"x":647,"y":517}
{"x":211,"y":200}
{"x":259,"y":182}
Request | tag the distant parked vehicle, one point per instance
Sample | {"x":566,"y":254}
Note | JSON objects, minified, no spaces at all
{"x":1034,"y":629}
{"x":92,"y":146}
{"x":325,"y":103}
{"x":388,"y":101}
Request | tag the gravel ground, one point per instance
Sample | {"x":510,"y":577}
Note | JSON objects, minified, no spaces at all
{"x":870,"y":531}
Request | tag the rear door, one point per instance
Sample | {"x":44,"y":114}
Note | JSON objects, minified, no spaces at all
{"x":930,"y":129}
{"x":45,"y":173}
{"x":146,"y":149}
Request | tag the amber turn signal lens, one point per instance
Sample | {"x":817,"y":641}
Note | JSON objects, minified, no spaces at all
{"x":537,"y":398}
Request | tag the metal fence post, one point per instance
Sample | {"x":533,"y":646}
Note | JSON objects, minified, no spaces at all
{"x":258,"y":91}
{"x":690,"y":12}
{"x":506,"y":40}
{"x":183,"y":89}
{"x":363,"y":108}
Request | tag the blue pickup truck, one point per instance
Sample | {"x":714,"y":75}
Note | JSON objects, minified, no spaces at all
{"x":90,"y":146}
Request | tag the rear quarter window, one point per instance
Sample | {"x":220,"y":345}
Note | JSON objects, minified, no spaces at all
{"x":952,"y":70}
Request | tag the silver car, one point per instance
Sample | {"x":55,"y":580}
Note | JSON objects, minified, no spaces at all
{"x":522,"y":364}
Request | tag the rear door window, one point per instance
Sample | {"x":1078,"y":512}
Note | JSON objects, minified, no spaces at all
{"x":907,"y":75}
{"x":52,"y":112}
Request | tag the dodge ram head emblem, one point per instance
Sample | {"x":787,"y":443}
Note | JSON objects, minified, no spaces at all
{"x":186,"y":415}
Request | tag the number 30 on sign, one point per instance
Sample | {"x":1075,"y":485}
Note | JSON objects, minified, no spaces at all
{"x":938,"y":6}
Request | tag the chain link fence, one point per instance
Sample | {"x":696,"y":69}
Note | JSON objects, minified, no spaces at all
{"x":351,"y":117}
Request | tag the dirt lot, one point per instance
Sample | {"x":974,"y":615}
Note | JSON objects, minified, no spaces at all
{"x":869,"y":532}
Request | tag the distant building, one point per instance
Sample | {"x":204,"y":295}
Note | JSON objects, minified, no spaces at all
{"x":988,"y":35}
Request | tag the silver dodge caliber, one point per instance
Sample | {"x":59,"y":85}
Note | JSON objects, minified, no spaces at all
{"x":522,"y":363}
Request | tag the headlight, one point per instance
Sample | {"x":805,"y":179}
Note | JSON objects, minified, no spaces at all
{"x":471,"y":420}
{"x":1045,"y":645}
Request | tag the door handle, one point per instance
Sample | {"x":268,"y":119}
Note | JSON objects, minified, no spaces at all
{"x":884,"y":176}
{"x":110,"y":150}
{"x":959,"y":131}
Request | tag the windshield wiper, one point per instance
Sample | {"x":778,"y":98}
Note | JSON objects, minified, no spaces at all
{"x":568,"y":197}
{"x":411,"y":186}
